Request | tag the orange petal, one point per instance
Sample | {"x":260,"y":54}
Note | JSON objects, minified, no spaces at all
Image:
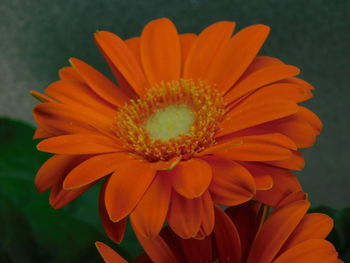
{"x":313,"y":226}
{"x":61,"y":119}
{"x":126,"y":187}
{"x":276,"y":230}
{"x":232,"y":184}
{"x":227,"y":238}
{"x":292,"y":197}
{"x":261,"y":62}
{"x":208,"y":216}
{"x":284,"y":183}
{"x":78,"y":144}
{"x":108,"y":254}
{"x":160,"y":51}
{"x":184,"y":216}
{"x":186,"y":41}
{"x":79,"y":95}
{"x":262,"y":178}
{"x":93,"y":169}
{"x":300,"y":82}
{"x":191,"y":178}
{"x":41,"y":133}
{"x":295,"y":162}
{"x":311,"y":118}
{"x":231,"y":62}
{"x":70,"y":74}
{"x":55,"y":167}
{"x":41,"y":97}
{"x":209,"y":42}
{"x":311,"y":251}
{"x":134,"y":45}
{"x":99,"y":83}
{"x":258,"y":111}
{"x":157,"y":249}
{"x":123,"y":59}
{"x":266,"y":147}
{"x":260,"y":78}
{"x":150,"y":213}
{"x":114,"y":230}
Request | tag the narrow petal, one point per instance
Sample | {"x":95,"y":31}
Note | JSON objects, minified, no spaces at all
{"x":295,"y":162}
{"x":70,"y":74}
{"x":184,"y":216}
{"x":231,"y":62}
{"x":260,"y":62}
{"x":191,"y":178}
{"x":209,"y":42}
{"x":311,"y":251}
{"x":134,"y":45}
{"x":232,"y":184}
{"x":41,"y":133}
{"x":186,"y":41}
{"x":126,"y":187}
{"x":114,"y":230}
{"x":55,"y":167}
{"x":313,"y":226}
{"x":108,"y":254}
{"x":262,"y":177}
{"x":157,"y":249}
{"x":265,"y":147}
{"x":123,"y":59}
{"x":284,"y":183}
{"x":80,"y":95}
{"x":150,"y":213}
{"x":260,"y":78}
{"x":258,"y":111}
{"x":276,"y":230}
{"x":93,"y":169}
{"x":227,"y":238}
{"x":160,"y":51}
{"x":79,"y":144}
{"x":208,"y":215}
{"x":104,"y":87}
{"x":61,"y":119}
{"x":311,"y":118}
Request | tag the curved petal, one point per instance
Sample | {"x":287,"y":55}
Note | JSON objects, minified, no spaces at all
{"x":311,"y":118}
{"x":79,"y":144}
{"x":149,"y":215}
{"x":123,"y":59}
{"x":208,"y":215}
{"x":313,"y":226}
{"x":266,"y":147}
{"x":41,"y":133}
{"x":227,"y":238}
{"x":80,"y":95}
{"x":157,"y":249}
{"x":260,"y":78}
{"x":191,"y":178}
{"x":276,"y":230}
{"x":262,"y":177}
{"x":114,"y":230}
{"x":231,"y":62}
{"x":295,"y":162}
{"x":93,"y":169}
{"x":134,"y":45}
{"x":108,"y":254}
{"x":186,"y":41}
{"x":284,"y":183}
{"x":100,"y":84}
{"x":160,"y":51}
{"x":184,"y":216}
{"x":311,"y":251}
{"x":126,"y":187}
{"x":232,"y":184}
{"x":209,"y":42}
{"x":70,"y":74}
{"x":251,"y":114}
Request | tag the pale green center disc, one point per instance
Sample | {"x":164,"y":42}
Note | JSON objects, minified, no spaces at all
{"x":170,"y":122}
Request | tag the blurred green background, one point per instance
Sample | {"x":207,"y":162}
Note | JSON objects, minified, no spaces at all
{"x":38,"y":37}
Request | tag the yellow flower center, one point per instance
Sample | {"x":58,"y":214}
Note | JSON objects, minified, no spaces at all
{"x":174,"y":119}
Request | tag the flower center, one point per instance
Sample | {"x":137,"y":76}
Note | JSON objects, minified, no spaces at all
{"x":170,"y":122}
{"x":174,"y":119}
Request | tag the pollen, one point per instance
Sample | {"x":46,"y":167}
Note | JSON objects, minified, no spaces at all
{"x":174,"y":119}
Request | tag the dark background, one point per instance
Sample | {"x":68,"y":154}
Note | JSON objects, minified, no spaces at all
{"x":37,"y":37}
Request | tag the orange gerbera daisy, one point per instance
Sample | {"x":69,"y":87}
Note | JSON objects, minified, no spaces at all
{"x":241,"y":235}
{"x":195,"y":121}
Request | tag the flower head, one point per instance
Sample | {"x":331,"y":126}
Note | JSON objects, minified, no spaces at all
{"x":242,"y":234}
{"x":195,"y":120}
